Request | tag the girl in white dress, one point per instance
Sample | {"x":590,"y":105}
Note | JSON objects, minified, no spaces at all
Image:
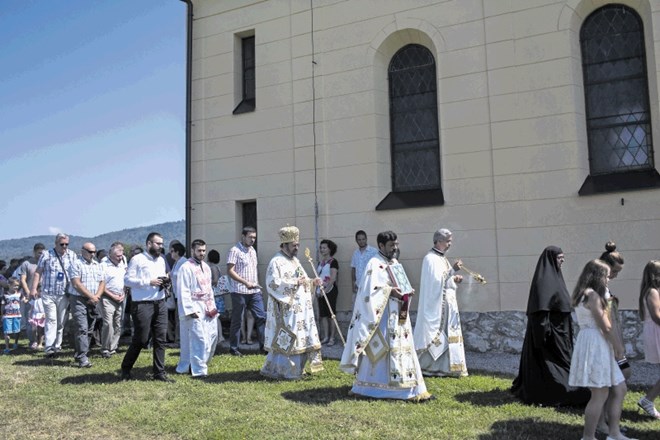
{"x":593,"y":364}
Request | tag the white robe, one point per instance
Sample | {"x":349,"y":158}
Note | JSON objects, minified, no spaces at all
{"x":379,"y":348}
{"x":438,"y":335}
{"x":291,"y":337}
{"x":198,"y":336}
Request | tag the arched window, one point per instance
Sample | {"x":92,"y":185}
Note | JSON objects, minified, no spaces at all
{"x":415,"y":143}
{"x":618,"y":114}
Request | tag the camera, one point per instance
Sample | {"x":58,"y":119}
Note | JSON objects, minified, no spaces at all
{"x":166,"y":283}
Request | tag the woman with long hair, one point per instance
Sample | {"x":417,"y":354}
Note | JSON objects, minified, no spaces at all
{"x":594,"y":364}
{"x":649,"y":313}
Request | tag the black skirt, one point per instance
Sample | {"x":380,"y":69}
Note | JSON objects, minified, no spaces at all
{"x":545,"y":362}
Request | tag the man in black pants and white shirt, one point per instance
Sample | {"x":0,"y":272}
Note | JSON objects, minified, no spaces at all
{"x":145,"y":276}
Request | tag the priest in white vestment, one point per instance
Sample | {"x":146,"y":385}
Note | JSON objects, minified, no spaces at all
{"x":438,"y":335}
{"x":291,"y":337}
{"x":379,"y":347}
{"x":197,"y":313}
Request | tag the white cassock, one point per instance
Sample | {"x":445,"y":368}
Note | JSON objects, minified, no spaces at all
{"x":379,"y":347}
{"x":291,"y":337}
{"x":438,"y":335}
{"x":198,"y":335}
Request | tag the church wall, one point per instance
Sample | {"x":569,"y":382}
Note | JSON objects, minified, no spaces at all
{"x":512,"y":134}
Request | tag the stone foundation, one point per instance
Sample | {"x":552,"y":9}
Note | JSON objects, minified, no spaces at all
{"x":503,"y":332}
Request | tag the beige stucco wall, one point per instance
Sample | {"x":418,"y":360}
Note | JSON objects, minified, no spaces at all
{"x":513,"y":137}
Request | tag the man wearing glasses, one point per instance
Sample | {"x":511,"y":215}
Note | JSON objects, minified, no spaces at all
{"x":146,"y":276}
{"x":53,"y":275}
{"x":87,"y":285}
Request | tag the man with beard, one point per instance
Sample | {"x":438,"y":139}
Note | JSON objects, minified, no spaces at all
{"x":291,"y":337}
{"x":379,"y":347}
{"x":245,"y":290}
{"x":197,"y":313}
{"x":438,"y":336}
{"x":146,"y":276}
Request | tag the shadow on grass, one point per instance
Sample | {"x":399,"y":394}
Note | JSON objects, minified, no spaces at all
{"x":497,"y":374}
{"x":319,"y":396}
{"x":636,"y":416}
{"x":235,"y":376}
{"x":531,"y":428}
{"x":43,"y":361}
{"x":138,"y":373}
{"x":496,"y":397}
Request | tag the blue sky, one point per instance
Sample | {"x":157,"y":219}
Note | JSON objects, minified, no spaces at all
{"x":92,"y":115}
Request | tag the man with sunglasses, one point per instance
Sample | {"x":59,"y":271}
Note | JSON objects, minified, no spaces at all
{"x":87,"y":285}
{"x":53,"y":275}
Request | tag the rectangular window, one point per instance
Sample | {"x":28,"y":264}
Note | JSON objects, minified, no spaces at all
{"x":249,"y":216}
{"x":248,"y":75}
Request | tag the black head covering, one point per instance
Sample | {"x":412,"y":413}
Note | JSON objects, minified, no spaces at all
{"x":548,"y":290}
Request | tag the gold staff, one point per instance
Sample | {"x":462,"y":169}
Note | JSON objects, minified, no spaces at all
{"x":477,"y":277}
{"x":332,"y":313}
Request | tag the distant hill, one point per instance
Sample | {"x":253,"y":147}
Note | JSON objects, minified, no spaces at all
{"x":19,"y":247}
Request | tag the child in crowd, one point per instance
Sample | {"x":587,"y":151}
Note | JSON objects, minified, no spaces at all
{"x":37,"y":322}
{"x":594,"y":364}
{"x":649,"y":313}
{"x":614,"y":260}
{"x":11,"y":313}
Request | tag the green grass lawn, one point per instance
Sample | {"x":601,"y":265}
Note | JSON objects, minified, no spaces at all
{"x":45,"y":398}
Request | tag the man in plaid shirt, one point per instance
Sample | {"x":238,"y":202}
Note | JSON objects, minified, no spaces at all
{"x":87,"y":285}
{"x":245,"y":289}
{"x":52,"y":274}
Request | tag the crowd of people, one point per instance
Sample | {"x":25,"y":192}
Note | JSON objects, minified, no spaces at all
{"x":591,"y":370}
{"x":171,"y":297}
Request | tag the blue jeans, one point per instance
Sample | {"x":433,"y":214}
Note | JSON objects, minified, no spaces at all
{"x":254,"y":302}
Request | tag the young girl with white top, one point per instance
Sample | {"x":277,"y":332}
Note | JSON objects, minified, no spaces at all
{"x":594,"y":364}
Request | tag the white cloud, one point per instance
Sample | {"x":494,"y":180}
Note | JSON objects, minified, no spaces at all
{"x":54,"y":230}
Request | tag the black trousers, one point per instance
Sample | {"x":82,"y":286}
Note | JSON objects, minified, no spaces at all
{"x":149,"y":318}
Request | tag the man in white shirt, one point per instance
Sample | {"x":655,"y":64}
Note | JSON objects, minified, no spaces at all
{"x":361,"y":257}
{"x":146,"y":276}
{"x":112,"y":301}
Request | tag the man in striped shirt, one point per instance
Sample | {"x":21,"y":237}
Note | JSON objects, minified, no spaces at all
{"x":245,"y":289}
{"x":53,"y":275}
{"x":87,"y":285}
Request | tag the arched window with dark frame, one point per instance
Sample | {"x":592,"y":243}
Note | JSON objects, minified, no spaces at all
{"x":618,"y":114}
{"x":414,"y":138}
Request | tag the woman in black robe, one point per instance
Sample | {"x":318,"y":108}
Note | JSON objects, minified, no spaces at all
{"x":546,"y":354}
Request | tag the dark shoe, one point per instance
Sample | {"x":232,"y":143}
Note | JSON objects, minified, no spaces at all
{"x":164,"y":378}
{"x":126,"y":375}
{"x":106,"y":354}
{"x":84,"y":364}
{"x":234,"y":352}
